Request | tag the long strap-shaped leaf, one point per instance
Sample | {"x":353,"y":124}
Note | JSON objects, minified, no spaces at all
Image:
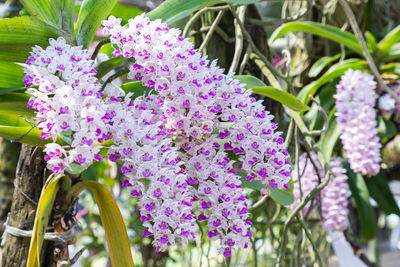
{"x":18,"y":35}
{"x":113,"y":224}
{"x":45,"y":10}
{"x":11,"y":75}
{"x":390,"y":39}
{"x":91,"y":13}
{"x":326,"y":31}
{"x":45,"y":205}
{"x":260,"y":88}
{"x":366,"y":214}
{"x":174,"y":10}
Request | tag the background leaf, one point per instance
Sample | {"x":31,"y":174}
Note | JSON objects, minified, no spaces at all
{"x":320,"y":64}
{"x":19,"y":34}
{"x":125,"y":12}
{"x":45,"y":206}
{"x":11,"y":75}
{"x":171,"y":11}
{"x":48,"y":11}
{"x":333,"y":72}
{"x":379,"y":189}
{"x":91,"y":13}
{"x":258,"y":87}
{"x":365,"y":211}
{"x":390,"y":39}
{"x":113,"y":224}
{"x":326,"y":31}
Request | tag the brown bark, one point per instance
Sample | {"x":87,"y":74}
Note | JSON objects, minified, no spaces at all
{"x":8,"y":162}
{"x":30,"y":177}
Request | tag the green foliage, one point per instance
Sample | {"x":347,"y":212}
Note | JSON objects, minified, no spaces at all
{"x":18,"y":35}
{"x":390,"y":39}
{"x":136,"y":88}
{"x":114,"y":226}
{"x":43,"y":212}
{"x":91,"y":13}
{"x":333,"y":72}
{"x":320,"y":64}
{"x":48,"y":11}
{"x":326,"y":31}
{"x":260,"y":88}
{"x":11,"y":75}
{"x":124,"y":12}
{"x":380,"y":191}
{"x":366,"y":214}
{"x":171,"y":11}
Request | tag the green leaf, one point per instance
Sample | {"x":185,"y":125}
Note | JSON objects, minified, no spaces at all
{"x":15,"y":103}
{"x":125,"y":12}
{"x":329,"y":138}
{"x":282,"y":196}
{"x":113,"y":224}
{"x":320,"y":64}
{"x":48,"y":11}
{"x":326,"y":31}
{"x":391,"y":67}
{"x":11,"y":75}
{"x":326,"y":100}
{"x":45,"y":206}
{"x":370,"y":41}
{"x":390,"y":39}
{"x":386,"y":129}
{"x":171,"y":11}
{"x":19,"y":34}
{"x":67,"y":16}
{"x":333,"y":72}
{"x":365,"y":211}
{"x":136,"y":88}
{"x":76,"y":169}
{"x":258,"y":87}
{"x":393,"y":53}
{"x":106,"y":66}
{"x":253,"y":184}
{"x":91,"y":13}
{"x":380,"y":191}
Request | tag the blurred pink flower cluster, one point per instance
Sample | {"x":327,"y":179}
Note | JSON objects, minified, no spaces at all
{"x":333,"y":197}
{"x":355,"y":101}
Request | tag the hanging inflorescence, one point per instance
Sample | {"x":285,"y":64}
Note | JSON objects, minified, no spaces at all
{"x":190,"y":139}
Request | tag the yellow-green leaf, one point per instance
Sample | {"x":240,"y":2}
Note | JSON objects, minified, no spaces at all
{"x":19,"y":34}
{"x":113,"y":224}
{"x":11,"y":75}
{"x":260,"y":88}
{"x":390,"y":39}
{"x":45,"y":206}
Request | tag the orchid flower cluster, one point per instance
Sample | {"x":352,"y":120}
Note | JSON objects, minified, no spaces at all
{"x":181,"y":147}
{"x":355,"y":101}
{"x":333,"y":197}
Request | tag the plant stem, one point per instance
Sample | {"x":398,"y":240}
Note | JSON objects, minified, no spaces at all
{"x":265,"y":60}
{"x":241,"y":11}
{"x":212,"y":29}
{"x":310,"y":239}
{"x":193,"y":19}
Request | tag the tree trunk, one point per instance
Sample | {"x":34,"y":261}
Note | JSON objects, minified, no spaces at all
{"x":8,"y":162}
{"x":30,"y":177}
